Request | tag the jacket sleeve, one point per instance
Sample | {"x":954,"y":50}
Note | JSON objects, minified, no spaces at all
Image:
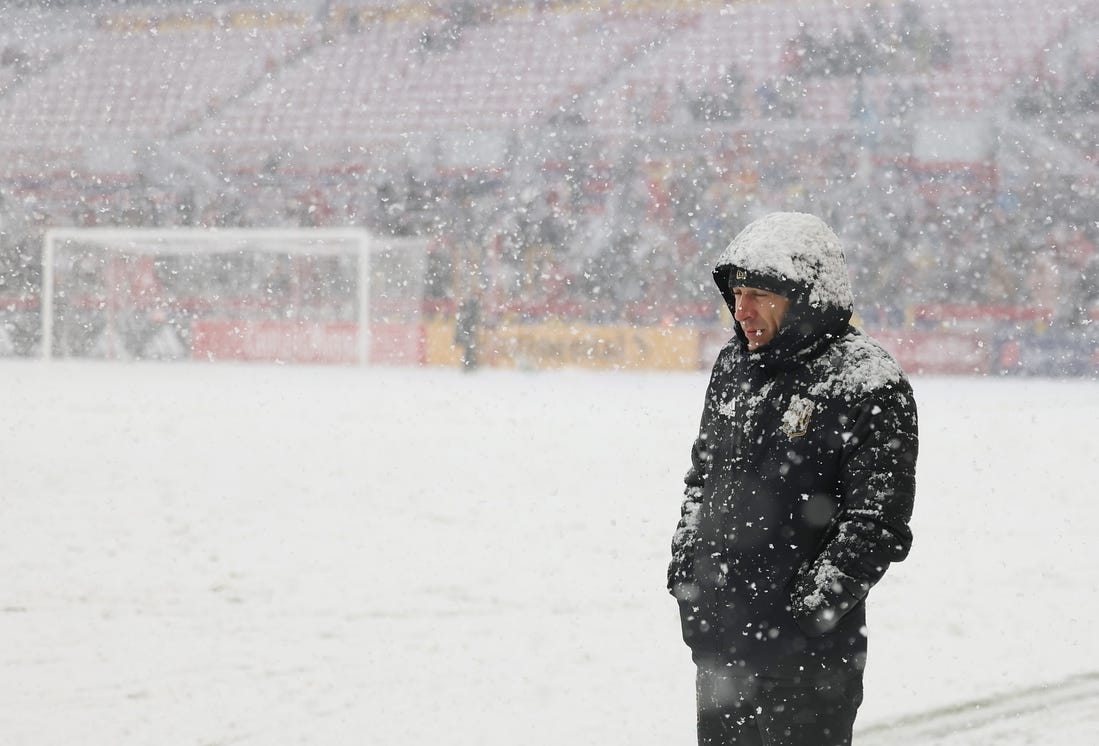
{"x":876,"y":490}
{"x":680,"y":570}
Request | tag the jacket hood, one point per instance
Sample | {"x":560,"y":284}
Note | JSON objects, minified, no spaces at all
{"x":798,"y":256}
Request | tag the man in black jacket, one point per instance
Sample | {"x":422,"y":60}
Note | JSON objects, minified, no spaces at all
{"x":798,"y":497}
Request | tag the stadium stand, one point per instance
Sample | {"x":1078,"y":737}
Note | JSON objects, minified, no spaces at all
{"x":586,"y":159}
{"x":138,"y":83}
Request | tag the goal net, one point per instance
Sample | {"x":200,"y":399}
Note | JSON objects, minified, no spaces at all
{"x":286,"y":295}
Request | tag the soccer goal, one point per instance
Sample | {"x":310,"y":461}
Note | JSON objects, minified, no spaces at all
{"x":325,"y":295}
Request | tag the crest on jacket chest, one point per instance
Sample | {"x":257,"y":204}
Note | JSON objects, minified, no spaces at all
{"x":795,"y":422}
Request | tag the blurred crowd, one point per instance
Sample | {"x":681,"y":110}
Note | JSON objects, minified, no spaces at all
{"x":612,"y":235}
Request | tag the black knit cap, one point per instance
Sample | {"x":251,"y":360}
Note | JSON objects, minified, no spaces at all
{"x":729,"y":276}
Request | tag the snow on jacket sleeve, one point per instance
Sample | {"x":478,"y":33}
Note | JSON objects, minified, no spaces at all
{"x":877,"y":486}
{"x":679,"y":570}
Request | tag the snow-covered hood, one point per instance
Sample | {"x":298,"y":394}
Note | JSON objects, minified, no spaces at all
{"x":798,"y":256}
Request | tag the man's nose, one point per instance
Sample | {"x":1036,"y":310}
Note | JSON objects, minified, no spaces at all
{"x":742,"y":310}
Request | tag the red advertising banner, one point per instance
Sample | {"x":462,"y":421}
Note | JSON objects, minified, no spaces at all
{"x":305,"y":342}
{"x":285,"y":341}
{"x":938,"y":352}
{"x":398,"y":344}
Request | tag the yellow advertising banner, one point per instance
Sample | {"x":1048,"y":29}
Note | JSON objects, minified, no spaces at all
{"x":559,"y":344}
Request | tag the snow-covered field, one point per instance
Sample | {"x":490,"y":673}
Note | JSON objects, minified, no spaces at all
{"x":204,"y":554}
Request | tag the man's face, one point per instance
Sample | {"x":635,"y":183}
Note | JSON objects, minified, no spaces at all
{"x":759,"y":314}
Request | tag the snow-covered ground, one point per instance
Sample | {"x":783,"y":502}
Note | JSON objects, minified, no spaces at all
{"x":219,"y":554}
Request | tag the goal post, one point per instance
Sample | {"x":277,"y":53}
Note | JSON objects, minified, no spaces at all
{"x":314,"y":295}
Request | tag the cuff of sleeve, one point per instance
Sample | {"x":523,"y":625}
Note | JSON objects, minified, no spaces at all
{"x":818,"y":611}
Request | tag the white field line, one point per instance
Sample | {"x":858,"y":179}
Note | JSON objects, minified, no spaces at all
{"x":1026,"y":710}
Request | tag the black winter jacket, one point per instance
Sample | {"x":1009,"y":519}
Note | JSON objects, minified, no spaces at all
{"x":800,"y":490}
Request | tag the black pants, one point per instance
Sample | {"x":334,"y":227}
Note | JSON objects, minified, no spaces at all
{"x":740,"y":711}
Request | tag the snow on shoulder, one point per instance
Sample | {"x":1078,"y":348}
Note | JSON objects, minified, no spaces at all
{"x":796,"y":246}
{"x":857,"y":366}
